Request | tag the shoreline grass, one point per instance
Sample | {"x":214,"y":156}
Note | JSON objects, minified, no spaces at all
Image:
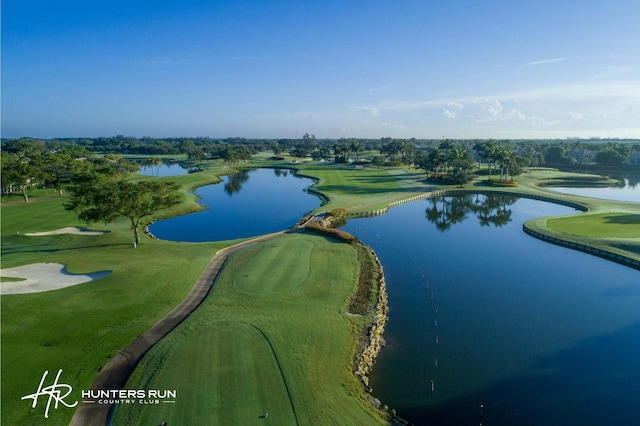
{"x":80,"y":328}
{"x":301,"y":354}
{"x":603,"y":225}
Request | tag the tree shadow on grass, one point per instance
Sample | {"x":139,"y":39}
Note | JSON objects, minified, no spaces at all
{"x":632,"y":248}
{"x":624,"y":219}
{"x":595,"y":382}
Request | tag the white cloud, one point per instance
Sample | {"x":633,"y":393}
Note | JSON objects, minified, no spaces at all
{"x":612,"y":70}
{"x":548,"y":61}
{"x":576,"y":116}
{"x":452,"y":109}
{"x":449,"y":114}
{"x":378,"y":89}
{"x":367,"y":110}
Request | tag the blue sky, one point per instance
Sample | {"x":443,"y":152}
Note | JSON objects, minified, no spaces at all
{"x":279,"y":69}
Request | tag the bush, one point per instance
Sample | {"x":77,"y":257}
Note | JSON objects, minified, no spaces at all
{"x":338,"y":213}
{"x":330,"y":232}
{"x":502,"y":182}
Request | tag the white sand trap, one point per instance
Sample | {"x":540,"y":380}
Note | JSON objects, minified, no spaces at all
{"x":67,"y":230}
{"x":39,"y":277}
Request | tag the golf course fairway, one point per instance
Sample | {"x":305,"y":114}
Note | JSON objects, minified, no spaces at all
{"x":272,"y":337}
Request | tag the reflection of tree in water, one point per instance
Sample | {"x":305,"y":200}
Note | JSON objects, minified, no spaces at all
{"x":489,"y":209}
{"x":452,"y":210}
{"x":281,"y":172}
{"x":492,"y":209}
{"x":235,"y":182}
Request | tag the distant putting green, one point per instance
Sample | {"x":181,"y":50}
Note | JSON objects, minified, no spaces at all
{"x":614,"y":225}
{"x":362,"y":189}
{"x":264,"y":343}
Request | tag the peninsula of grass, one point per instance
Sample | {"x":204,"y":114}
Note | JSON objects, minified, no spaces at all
{"x":272,"y":337}
{"x":604,"y":225}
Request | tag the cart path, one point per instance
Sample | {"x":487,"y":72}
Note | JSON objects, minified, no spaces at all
{"x":116,"y":373}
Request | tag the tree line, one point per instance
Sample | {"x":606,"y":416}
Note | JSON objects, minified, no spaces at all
{"x":28,"y":162}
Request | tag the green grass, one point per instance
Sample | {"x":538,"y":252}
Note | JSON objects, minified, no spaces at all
{"x":78,"y":329}
{"x":614,"y":225}
{"x":273,"y":337}
{"x":362,"y":189}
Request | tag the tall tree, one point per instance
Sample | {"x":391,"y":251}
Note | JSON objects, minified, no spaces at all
{"x":462,"y":165}
{"x":99,"y":199}
{"x":22,"y":172}
{"x":355,"y":147}
{"x":504,"y":157}
{"x":446,"y":146}
{"x":436,"y":159}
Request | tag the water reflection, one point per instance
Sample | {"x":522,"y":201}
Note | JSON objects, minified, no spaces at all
{"x":483,"y":314}
{"x":234,"y":185}
{"x":163,"y":169}
{"x":240,"y":207}
{"x":490,"y":210}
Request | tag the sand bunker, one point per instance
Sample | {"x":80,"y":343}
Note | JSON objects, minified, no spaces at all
{"x":39,"y":277}
{"x":67,"y":230}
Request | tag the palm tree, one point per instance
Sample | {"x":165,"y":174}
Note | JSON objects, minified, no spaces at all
{"x":503,"y":156}
{"x":436,"y":158}
{"x":355,"y":147}
{"x":446,"y":146}
{"x":489,"y":152}
{"x":155,"y":161}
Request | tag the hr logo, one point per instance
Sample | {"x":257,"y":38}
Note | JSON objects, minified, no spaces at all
{"x":56,"y":392}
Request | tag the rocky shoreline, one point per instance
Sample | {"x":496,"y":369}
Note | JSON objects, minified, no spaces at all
{"x":366,"y":358}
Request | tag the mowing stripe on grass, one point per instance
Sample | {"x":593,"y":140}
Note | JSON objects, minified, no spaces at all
{"x":270,"y":269}
{"x":284,"y":379}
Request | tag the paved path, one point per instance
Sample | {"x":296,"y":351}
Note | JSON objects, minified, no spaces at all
{"x":116,"y":373}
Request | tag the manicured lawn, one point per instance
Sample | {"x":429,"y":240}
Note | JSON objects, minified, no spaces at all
{"x":78,"y":329}
{"x":614,"y":225}
{"x":362,"y":189}
{"x":272,"y":293}
{"x":273,"y":337}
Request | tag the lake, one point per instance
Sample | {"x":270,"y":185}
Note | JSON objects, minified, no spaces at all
{"x":626,"y":191}
{"x":489,"y":323}
{"x":163,"y":170}
{"x":248,"y":203}
{"x":481,"y":314}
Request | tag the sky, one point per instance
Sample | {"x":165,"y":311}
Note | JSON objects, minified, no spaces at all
{"x":461,"y":69}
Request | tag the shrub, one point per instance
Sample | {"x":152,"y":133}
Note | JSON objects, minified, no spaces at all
{"x":502,"y":182}
{"x":330,"y":232}
{"x":338,"y":213}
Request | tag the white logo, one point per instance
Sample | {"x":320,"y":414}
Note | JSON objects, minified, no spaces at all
{"x":55,"y":393}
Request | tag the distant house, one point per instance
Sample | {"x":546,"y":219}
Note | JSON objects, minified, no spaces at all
{"x":582,"y":156}
{"x":634,"y":159}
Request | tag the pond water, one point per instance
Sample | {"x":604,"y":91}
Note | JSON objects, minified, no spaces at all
{"x":164,"y":169}
{"x":247,"y":203}
{"x":489,"y":325}
{"x":481,"y":314}
{"x":626,"y":191}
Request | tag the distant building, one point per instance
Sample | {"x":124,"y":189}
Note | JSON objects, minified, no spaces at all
{"x":582,"y":156}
